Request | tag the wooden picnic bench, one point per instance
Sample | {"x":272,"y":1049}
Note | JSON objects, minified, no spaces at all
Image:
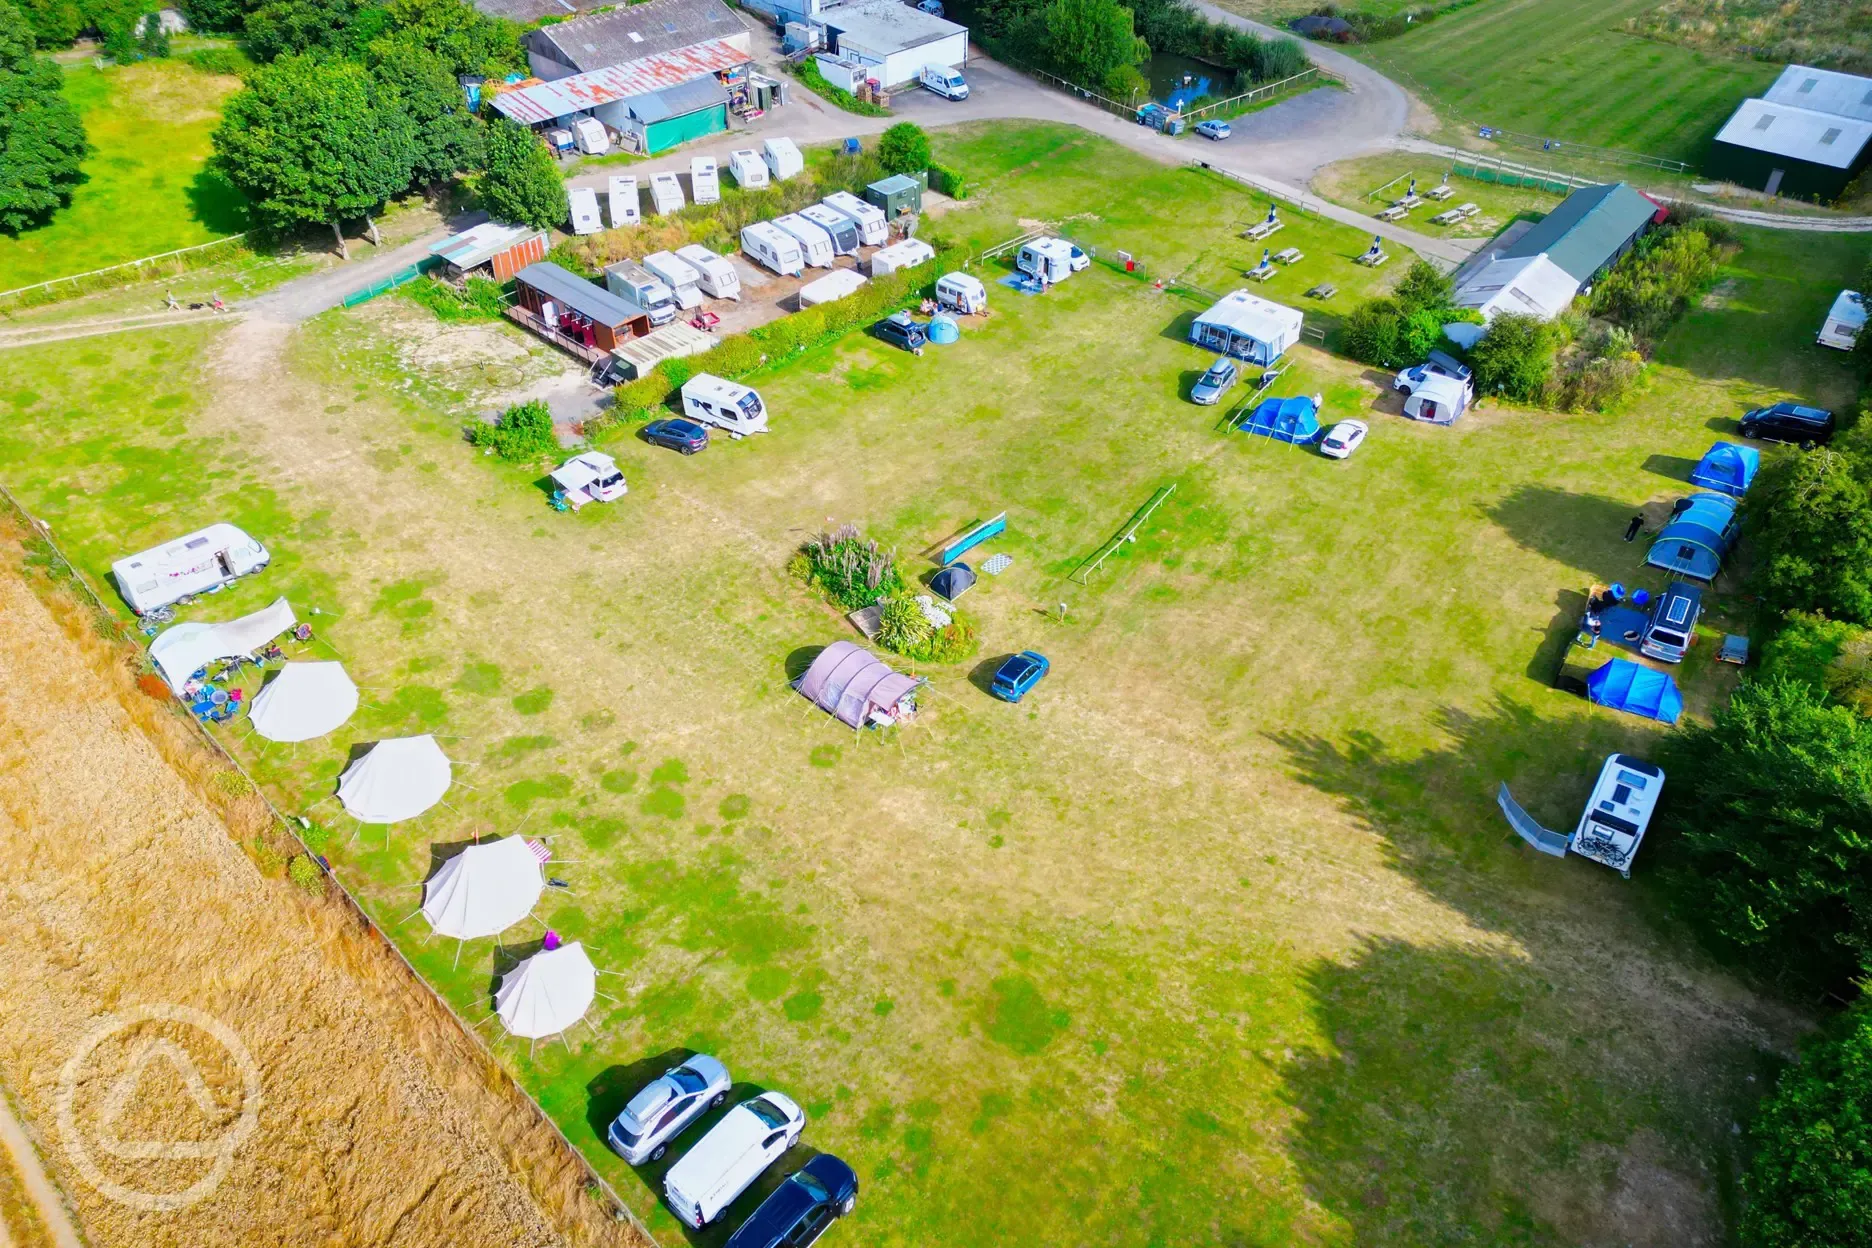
{"x":1408,"y":202}
{"x":1261,"y":229}
{"x":1440,"y":192}
{"x":1373,"y":259}
{"x":1450,"y":216}
{"x":1325,"y":290}
{"x":1290,"y":255}
{"x":1261,"y":272}
{"x":1392,"y":213}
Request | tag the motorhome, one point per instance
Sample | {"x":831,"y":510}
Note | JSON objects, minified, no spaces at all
{"x":944,"y":81}
{"x":773,"y":248}
{"x":1612,"y":826}
{"x":750,"y":171}
{"x":641,"y":289}
{"x":704,"y":180}
{"x":842,"y":230}
{"x":782,"y":157}
{"x":665,"y":193}
{"x":714,"y":274}
{"x":1049,"y":259}
{"x":1844,"y":322}
{"x":684,"y":282}
{"x":589,"y":134}
{"x":962,"y":293}
{"x":873,"y":228}
{"x":582,"y":204}
{"x":625,"y":210}
{"x":725,"y":404}
{"x":815,"y":244}
{"x":195,"y":563}
{"x":899,"y":256}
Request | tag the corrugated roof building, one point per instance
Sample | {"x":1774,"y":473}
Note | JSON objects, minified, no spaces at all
{"x":655,"y":103}
{"x":1590,"y":230}
{"x":1531,"y":285}
{"x":1824,"y":91}
{"x":626,"y":35}
{"x":1808,"y":136}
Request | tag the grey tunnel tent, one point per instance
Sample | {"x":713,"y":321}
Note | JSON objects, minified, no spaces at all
{"x":953,"y":581}
{"x":849,"y":682}
{"x":1698,"y":536}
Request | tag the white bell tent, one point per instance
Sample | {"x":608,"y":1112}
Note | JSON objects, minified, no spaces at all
{"x":484,"y":890}
{"x":306,"y":700}
{"x":182,"y":649}
{"x":399,"y":779}
{"x":549,"y":992}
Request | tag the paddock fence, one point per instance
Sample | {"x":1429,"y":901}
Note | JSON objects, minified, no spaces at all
{"x":163,"y":264}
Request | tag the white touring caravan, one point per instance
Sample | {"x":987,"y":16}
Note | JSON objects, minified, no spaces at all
{"x":783,"y":159}
{"x":704,"y":180}
{"x":961,"y":293}
{"x":873,"y":227}
{"x":725,"y":404}
{"x":624,"y":207}
{"x":750,"y":171}
{"x":589,"y":134}
{"x":1049,"y":259}
{"x":684,"y":282}
{"x":1845,"y":322}
{"x":842,"y":230}
{"x":943,"y":81}
{"x":665,"y":193}
{"x":582,"y":203}
{"x":773,"y":248}
{"x":832,"y":287}
{"x":899,"y":256}
{"x":715,"y":275}
{"x":726,"y":1161}
{"x":642,"y":289}
{"x":815,"y":244}
{"x":192,"y":564}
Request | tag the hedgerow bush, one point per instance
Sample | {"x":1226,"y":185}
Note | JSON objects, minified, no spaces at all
{"x":947,"y":181}
{"x":953,"y":643}
{"x":479,"y":299}
{"x":850,"y":568}
{"x":1653,"y":285}
{"x":522,"y":432}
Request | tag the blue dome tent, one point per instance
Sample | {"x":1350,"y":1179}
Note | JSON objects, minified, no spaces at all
{"x":1292,"y":420}
{"x":1699,"y":534}
{"x":1727,"y":469}
{"x":1626,"y":686}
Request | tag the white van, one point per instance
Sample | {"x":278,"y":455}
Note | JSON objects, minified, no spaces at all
{"x":815,"y":244}
{"x":842,"y":230}
{"x":873,"y":227}
{"x":750,"y":171}
{"x":714,"y":274}
{"x":642,"y":289}
{"x":665,"y":193}
{"x":582,"y":205}
{"x":774,"y":248}
{"x":962,"y":293}
{"x":1047,"y":258}
{"x":684,"y":282}
{"x":944,"y":81}
{"x":725,"y":404}
{"x":704,"y":180}
{"x":725,"y":1162}
{"x":625,"y":209}
{"x":192,"y":564}
{"x":1844,"y":322}
{"x":783,"y":159}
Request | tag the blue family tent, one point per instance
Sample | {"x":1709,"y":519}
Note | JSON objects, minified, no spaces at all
{"x":1637,"y":690}
{"x":1699,"y":534}
{"x":1727,"y":469}
{"x":1293,"y":420}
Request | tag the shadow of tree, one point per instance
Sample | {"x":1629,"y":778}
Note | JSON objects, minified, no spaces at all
{"x":1585,"y":531}
{"x":216,"y":204}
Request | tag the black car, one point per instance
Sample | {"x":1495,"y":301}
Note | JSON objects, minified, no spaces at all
{"x":800,"y":1209}
{"x":901,"y":330}
{"x":1790,"y":422}
{"x":678,"y":434}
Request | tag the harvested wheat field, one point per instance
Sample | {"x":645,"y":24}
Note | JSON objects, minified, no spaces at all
{"x":204,"y":1055}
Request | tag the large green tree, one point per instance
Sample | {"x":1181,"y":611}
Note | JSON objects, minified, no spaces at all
{"x":42,"y":141}
{"x":316,"y":140}
{"x":1770,"y":811}
{"x":1810,"y":1182}
{"x":1086,"y":40}
{"x":467,"y":40}
{"x":1514,"y":357}
{"x":1810,"y":518}
{"x":289,"y":27}
{"x":221,"y":16}
{"x":55,"y":23}
{"x":448,"y":137}
{"x":522,"y":184}
{"x":904,"y":148}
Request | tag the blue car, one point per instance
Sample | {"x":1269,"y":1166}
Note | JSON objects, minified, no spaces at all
{"x":1217,"y":130}
{"x":678,"y":434}
{"x":1018,"y":674}
{"x":802,"y":1208}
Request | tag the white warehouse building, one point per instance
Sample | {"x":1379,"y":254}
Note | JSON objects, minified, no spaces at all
{"x":886,"y":40}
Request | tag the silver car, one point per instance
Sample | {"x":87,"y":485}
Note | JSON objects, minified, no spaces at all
{"x":658,"y":1114}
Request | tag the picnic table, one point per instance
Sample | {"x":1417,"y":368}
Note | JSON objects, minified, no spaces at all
{"x":1325,"y":290}
{"x":1261,"y":229}
{"x":1408,"y":202}
{"x":1441,"y":192}
{"x":1461,"y":212}
{"x":1290,"y":255}
{"x":1392,"y":213}
{"x":1261,"y":272}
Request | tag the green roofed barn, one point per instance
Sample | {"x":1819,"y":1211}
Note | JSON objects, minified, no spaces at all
{"x":1809,"y":135}
{"x":1589,"y":231}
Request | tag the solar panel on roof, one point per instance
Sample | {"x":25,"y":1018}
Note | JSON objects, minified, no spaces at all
{"x":1678,"y":611}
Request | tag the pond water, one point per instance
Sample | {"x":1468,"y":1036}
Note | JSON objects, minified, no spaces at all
{"x":1177,"y":80}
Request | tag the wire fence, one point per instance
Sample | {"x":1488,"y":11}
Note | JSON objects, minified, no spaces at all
{"x":1236,"y":103}
{"x":163,"y":264}
{"x":593,"y":1179}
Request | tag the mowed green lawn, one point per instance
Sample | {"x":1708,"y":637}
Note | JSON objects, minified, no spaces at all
{"x":1216,"y":939}
{"x":145,"y":191}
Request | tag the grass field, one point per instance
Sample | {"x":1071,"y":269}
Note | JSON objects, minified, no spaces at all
{"x":1352,"y":183}
{"x":145,"y":190}
{"x":1216,"y":939}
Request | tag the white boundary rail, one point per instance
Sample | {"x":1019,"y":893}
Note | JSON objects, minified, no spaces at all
{"x":75,"y":278}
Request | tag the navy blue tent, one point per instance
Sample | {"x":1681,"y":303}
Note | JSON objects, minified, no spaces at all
{"x":1627,"y":686}
{"x":1699,"y":534}
{"x":1727,"y":469}
{"x":1285,"y":420}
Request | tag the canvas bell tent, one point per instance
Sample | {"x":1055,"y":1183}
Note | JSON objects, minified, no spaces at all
{"x":399,"y":779}
{"x":1697,"y":538}
{"x":858,"y":688}
{"x":1637,"y":690}
{"x":184,"y":649}
{"x":484,"y":890}
{"x":306,"y":700}
{"x":547,"y":993}
{"x":1727,"y":469}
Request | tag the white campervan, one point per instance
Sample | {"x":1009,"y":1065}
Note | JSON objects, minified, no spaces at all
{"x":624,"y":207}
{"x":704,"y":180}
{"x":943,"y":81}
{"x":873,"y":228}
{"x":815,"y":244}
{"x":842,"y":230}
{"x":665,"y":193}
{"x":684,"y":282}
{"x":1844,"y":322}
{"x":714,"y":274}
{"x":725,"y":404}
{"x":193,"y":564}
{"x":582,"y":204}
{"x":750,"y":171}
{"x":1049,"y":259}
{"x":725,"y":1162}
{"x":774,"y":248}
{"x":782,"y":157}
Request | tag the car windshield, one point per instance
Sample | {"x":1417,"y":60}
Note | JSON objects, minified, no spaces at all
{"x":1664,"y":636}
{"x":1335,"y":442}
{"x":688,"y":1080}
{"x":767,"y":1112}
{"x":750,"y":403}
{"x":813,"y":1185}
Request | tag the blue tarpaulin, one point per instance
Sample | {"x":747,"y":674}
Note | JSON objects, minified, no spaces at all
{"x":1727,"y":469}
{"x":1696,"y":539}
{"x":1626,"y":686}
{"x":1285,"y":420}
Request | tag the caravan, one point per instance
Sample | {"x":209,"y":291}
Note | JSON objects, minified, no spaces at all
{"x":642,"y":290}
{"x":1844,"y":322}
{"x":683,"y":281}
{"x":873,"y":229}
{"x":192,"y":564}
{"x":774,"y":248}
{"x":900,"y":256}
{"x":842,"y":230}
{"x":1049,"y":259}
{"x":624,"y":207}
{"x":783,"y":159}
{"x":961,"y":293}
{"x":665,"y":193}
{"x":725,"y":404}
{"x":715,"y":275}
{"x":814,"y":243}
{"x":750,"y":171}
{"x":589,"y":134}
{"x":704,"y":180}
{"x":582,"y":203}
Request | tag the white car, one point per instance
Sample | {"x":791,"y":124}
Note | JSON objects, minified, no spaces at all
{"x":1344,"y":438}
{"x":660,"y":1111}
{"x":1079,"y":258}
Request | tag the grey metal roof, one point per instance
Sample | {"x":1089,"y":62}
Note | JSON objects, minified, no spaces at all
{"x":630,"y":34}
{"x":1798,"y":133}
{"x":882,"y":27}
{"x":678,"y":101}
{"x":1823,"y":91}
{"x":528,"y":11}
{"x":576,"y":293}
{"x":1589,"y":228}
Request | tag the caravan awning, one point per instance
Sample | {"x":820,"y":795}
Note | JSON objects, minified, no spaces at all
{"x":183,"y":649}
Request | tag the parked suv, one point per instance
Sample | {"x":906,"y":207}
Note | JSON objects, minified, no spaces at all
{"x":1789,"y":422}
{"x":1672,"y":626}
{"x":1215,"y":383}
{"x":900,"y":329}
{"x":802,"y":1208}
{"x":658,"y":1113}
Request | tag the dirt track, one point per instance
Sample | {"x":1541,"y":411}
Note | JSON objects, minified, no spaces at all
{"x":123,"y":888}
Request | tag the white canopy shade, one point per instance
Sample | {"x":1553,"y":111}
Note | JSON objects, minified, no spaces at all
{"x":548,"y":992}
{"x":484,"y":890}
{"x":185,"y":647}
{"x":304,"y":701}
{"x":399,"y":779}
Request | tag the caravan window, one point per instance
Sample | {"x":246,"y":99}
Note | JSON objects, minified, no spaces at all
{"x":750,"y":404}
